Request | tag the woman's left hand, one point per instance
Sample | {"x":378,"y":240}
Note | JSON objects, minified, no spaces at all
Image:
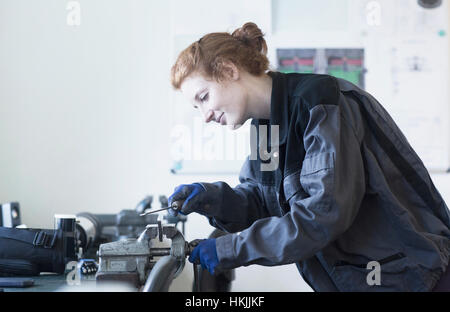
{"x":206,"y":253}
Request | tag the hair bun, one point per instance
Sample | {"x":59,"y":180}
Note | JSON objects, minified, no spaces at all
{"x":252,"y":36}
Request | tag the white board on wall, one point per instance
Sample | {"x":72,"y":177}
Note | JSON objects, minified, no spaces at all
{"x":406,"y":57}
{"x":416,"y":52}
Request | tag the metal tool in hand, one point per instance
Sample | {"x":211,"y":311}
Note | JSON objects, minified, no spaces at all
{"x":189,"y":250}
{"x":176,"y":206}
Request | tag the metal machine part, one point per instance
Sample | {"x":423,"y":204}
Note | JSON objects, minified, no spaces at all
{"x":161,"y":275}
{"x":132,"y":260}
{"x":144,"y":204}
{"x":66,"y":223}
{"x":166,"y":269}
{"x":95,"y":229}
{"x":10,"y":214}
{"x":429,"y":4}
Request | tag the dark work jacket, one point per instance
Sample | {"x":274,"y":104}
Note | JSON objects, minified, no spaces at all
{"x":348,"y":190}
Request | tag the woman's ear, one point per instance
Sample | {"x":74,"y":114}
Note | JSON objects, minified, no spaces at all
{"x":231,"y":71}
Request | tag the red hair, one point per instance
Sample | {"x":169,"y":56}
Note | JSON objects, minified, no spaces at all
{"x":245,"y":48}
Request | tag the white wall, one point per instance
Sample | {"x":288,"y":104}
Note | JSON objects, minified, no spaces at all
{"x":85,"y":113}
{"x":82,"y":108}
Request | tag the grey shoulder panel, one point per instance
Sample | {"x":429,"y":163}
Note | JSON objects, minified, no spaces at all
{"x":317,"y":90}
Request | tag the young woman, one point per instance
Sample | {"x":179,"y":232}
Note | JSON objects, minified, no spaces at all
{"x":350,"y":202}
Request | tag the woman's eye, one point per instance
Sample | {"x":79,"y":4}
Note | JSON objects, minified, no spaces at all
{"x":205,"y":98}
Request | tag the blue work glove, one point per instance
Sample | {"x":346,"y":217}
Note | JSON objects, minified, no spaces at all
{"x":206,"y":254}
{"x":195,"y":199}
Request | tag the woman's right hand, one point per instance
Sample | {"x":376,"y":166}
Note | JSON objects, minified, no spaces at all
{"x":194,"y":197}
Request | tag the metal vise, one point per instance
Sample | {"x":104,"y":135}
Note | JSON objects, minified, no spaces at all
{"x":133,"y":260}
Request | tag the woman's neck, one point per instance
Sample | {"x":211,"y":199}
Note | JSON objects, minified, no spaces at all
{"x":259,"y":90}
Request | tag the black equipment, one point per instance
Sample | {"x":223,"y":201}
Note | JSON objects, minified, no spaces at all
{"x":430,"y":4}
{"x":10,"y":215}
{"x":28,"y":252}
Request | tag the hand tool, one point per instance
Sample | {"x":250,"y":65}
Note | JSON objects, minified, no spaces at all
{"x":176,"y":206}
{"x":189,"y":250}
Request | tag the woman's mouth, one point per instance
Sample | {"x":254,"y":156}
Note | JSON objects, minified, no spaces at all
{"x":222,"y":120}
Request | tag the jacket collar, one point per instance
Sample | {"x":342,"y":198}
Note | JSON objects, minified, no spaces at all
{"x":279,"y":104}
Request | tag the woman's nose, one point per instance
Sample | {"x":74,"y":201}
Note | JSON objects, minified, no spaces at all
{"x":209,"y":116}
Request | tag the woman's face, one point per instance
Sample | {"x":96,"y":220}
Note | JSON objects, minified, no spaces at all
{"x":224,"y":103}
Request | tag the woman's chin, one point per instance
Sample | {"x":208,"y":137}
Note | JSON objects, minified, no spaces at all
{"x":234,"y":127}
{"x":234,"y":124}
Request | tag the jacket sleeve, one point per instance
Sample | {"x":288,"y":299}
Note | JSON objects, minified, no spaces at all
{"x":239,"y":207}
{"x":332,"y":176}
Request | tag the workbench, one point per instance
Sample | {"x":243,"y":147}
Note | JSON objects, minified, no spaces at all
{"x":51,"y":282}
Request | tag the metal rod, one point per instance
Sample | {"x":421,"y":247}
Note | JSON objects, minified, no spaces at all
{"x":175,"y":206}
{"x":158,"y":252}
{"x":153,"y":211}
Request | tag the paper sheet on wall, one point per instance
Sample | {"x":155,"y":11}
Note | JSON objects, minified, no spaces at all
{"x":419,"y":81}
{"x":407,"y":62}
